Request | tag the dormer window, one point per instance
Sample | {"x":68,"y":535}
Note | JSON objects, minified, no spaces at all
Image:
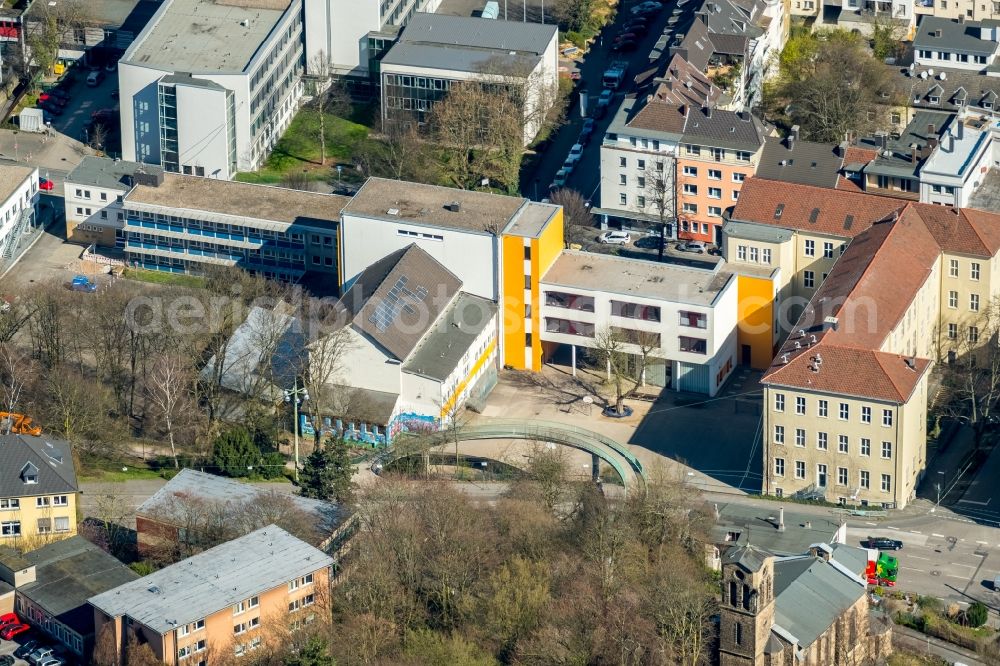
{"x":934,"y":99}
{"x":29,"y":474}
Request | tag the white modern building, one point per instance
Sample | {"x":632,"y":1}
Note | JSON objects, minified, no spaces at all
{"x":180,"y":224}
{"x":339,"y":31}
{"x":956,"y":43}
{"x":18,"y":205}
{"x":93,"y":194}
{"x":414,"y":348}
{"x":209,"y":86}
{"x":958,"y":165}
{"x":688,"y":315}
{"x":436,"y":51}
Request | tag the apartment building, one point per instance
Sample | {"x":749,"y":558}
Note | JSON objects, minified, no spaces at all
{"x":415,"y":349}
{"x":49,"y":588}
{"x":860,"y":15}
{"x":497,"y":246}
{"x":897,"y":287}
{"x":225,"y":600}
{"x":93,"y":195}
{"x":719,"y":150}
{"x":180,"y":224}
{"x":956,"y":43}
{"x":639,"y":150}
{"x":438,"y":51}
{"x":18,"y":206}
{"x":339,"y":32}
{"x":207,"y":88}
{"x":978,"y":10}
{"x":38,"y":490}
{"x":684,"y":319}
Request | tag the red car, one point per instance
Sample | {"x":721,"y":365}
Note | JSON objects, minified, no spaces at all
{"x":53,"y":99}
{"x":8,"y":619}
{"x":11,"y":630}
{"x":48,"y":186}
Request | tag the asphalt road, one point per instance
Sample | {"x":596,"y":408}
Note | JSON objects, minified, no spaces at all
{"x":586,"y":176}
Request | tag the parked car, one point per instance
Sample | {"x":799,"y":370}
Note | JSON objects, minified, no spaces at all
{"x":698,"y":247}
{"x":110,"y":65}
{"x":615,"y":238}
{"x":51,"y":661}
{"x":7,"y":660}
{"x":568,"y":166}
{"x":575,"y":153}
{"x":58,"y":93}
{"x":27,"y":648}
{"x":94,"y":78}
{"x":648,"y":242}
{"x":46,"y":184}
{"x":50,"y":98}
{"x":9,"y":618}
{"x":626,"y":45}
{"x":40,"y":654}
{"x":11,"y":630}
{"x":884,"y":543}
{"x":626,"y":37}
{"x":605,"y":98}
{"x":638,"y":30}
{"x":634,"y":21}
{"x":647,"y":8}
{"x":560,"y":179}
{"x":586,"y":130}
{"x":51,"y":107}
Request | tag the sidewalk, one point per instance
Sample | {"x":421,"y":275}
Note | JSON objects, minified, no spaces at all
{"x":917,"y":642}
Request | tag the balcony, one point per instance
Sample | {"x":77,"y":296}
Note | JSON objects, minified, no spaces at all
{"x":635,"y":311}
{"x":567,"y":327}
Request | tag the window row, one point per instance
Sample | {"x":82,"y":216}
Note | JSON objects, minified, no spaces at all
{"x":809,"y":249}
{"x":973,"y":301}
{"x":823,"y":442}
{"x":975,"y":269}
{"x":823,"y":409}
{"x":842,"y":478}
{"x":754,"y":255}
{"x":718,"y":154}
{"x":713,"y":174}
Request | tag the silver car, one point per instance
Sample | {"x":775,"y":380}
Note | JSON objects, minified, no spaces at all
{"x":615,"y":238}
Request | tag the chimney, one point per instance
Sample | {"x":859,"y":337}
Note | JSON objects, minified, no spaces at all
{"x":930,"y":128}
{"x":781,"y":519}
{"x":960,"y":130}
{"x":914,"y":154}
{"x":795,"y":132}
{"x":708,"y":111}
{"x":790,"y":140}
{"x":951,"y":143}
{"x":715,"y":510}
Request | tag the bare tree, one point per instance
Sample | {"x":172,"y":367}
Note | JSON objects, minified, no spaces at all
{"x":321,"y":374}
{"x":576,"y":212}
{"x":624,"y":354}
{"x":549,"y":468}
{"x":661,"y":193}
{"x":329,"y":96}
{"x":15,"y":372}
{"x":972,"y":378}
{"x":168,"y":387}
{"x":50,"y":25}
{"x":97,"y":135}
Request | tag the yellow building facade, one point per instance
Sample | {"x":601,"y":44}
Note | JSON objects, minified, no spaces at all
{"x":38,"y":492}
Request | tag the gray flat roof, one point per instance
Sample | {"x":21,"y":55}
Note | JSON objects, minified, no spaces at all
{"x":425,"y":204}
{"x":636,"y":277}
{"x":67,"y":573}
{"x":454,"y":58}
{"x":443,"y":346}
{"x":205,"y":35}
{"x":230,"y":197}
{"x":11,"y":178}
{"x":757,"y":525}
{"x":479,"y":33}
{"x":213,"y":580}
{"x":107,"y":173}
{"x":531,"y":220}
{"x":105,"y":13}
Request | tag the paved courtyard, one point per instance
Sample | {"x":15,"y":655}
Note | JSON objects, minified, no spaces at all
{"x":668,"y":429}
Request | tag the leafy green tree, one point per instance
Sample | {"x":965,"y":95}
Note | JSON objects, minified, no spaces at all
{"x":327,"y":473}
{"x":235,"y":454}
{"x":314,"y":653}
{"x":977,"y":614}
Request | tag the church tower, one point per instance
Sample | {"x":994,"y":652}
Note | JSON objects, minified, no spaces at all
{"x":747,"y":610}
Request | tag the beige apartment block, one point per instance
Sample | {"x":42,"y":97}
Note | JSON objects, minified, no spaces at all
{"x":220,"y":604}
{"x":846,"y":395}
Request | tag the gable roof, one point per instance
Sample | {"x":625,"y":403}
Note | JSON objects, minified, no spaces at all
{"x":960,"y":37}
{"x":396,"y":300}
{"x":869,"y":290}
{"x":810,"y":594}
{"x":807,"y":208}
{"x":213,"y":580}
{"x":738,"y":130}
{"x":53,"y":458}
{"x":803,"y":162}
{"x":190,"y":484}
{"x":683,"y":83}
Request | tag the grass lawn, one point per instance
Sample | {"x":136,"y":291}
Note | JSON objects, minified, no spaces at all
{"x":298,"y":149}
{"x":117,"y":475}
{"x":163,"y":277}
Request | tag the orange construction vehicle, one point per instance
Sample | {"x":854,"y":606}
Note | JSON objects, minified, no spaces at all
{"x":20,"y":424}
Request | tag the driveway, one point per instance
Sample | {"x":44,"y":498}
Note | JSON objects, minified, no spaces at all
{"x":84,"y":101}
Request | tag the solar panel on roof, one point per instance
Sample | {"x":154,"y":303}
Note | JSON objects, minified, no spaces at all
{"x":398,"y":299}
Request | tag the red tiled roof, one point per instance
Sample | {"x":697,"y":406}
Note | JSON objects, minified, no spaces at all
{"x":850,"y":371}
{"x":962,"y":230}
{"x":837,"y":212}
{"x":868,"y":292}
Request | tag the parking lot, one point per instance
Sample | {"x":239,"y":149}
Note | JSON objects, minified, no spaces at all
{"x":23,"y":644}
{"x":76,"y":117}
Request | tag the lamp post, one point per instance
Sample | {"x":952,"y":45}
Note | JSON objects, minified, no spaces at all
{"x":296,"y":395}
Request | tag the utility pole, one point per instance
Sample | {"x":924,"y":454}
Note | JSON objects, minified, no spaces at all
{"x":295,"y":395}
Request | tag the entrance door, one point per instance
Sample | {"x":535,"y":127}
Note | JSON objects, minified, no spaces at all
{"x":745,"y":353}
{"x":821,"y":476}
